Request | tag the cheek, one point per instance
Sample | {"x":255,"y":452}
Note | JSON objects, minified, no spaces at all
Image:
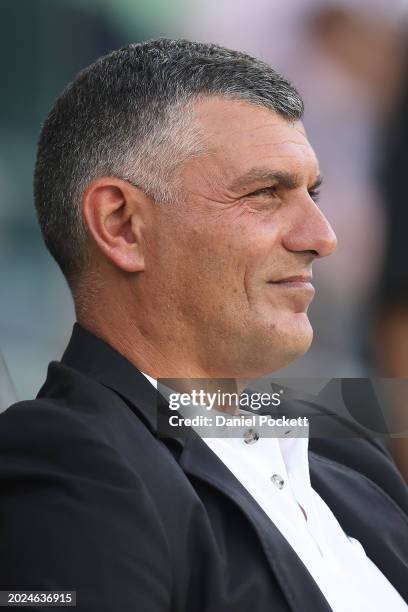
{"x":216,"y":262}
{"x":211,"y":277}
{"x":263,"y":257}
{"x":234,"y":260}
{"x":215,"y":253}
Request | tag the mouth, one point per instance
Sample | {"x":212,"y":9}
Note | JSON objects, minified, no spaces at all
{"x":300,"y":282}
{"x":301,"y":279}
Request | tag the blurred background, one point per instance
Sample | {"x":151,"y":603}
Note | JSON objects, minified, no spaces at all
{"x":348,"y":59}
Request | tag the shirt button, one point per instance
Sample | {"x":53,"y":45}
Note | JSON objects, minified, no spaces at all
{"x":251,"y":436}
{"x":278,"y":481}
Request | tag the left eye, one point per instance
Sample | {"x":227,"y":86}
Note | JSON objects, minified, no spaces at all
{"x":264,"y":191}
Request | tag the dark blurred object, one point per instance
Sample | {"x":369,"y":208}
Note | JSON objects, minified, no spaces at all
{"x":366,"y":45}
{"x":393,"y":177}
{"x":391,"y":333}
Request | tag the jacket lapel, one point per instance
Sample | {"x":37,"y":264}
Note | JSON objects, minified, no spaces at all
{"x":197,"y":460}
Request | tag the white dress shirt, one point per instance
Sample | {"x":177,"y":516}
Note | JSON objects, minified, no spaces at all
{"x":275,"y":471}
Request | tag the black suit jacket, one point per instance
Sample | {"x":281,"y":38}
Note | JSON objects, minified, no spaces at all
{"x":93,"y":500}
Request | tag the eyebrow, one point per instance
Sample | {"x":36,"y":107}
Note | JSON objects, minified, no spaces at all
{"x":288,"y":180}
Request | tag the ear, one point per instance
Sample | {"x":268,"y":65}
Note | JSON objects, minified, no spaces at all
{"x":116,"y":214}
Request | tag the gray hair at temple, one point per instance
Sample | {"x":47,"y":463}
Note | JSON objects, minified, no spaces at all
{"x":130,"y":115}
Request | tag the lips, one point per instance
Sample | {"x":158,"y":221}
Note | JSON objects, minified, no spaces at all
{"x":301,"y":278}
{"x":300,"y":283}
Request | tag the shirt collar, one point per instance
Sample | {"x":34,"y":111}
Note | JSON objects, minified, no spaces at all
{"x":293,"y":447}
{"x":95,"y":358}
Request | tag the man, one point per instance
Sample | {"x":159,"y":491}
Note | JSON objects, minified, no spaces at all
{"x":176,"y":189}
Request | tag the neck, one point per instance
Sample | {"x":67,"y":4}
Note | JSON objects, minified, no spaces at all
{"x":158,"y":356}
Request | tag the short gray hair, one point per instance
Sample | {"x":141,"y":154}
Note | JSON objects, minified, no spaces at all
{"x":129,"y":115}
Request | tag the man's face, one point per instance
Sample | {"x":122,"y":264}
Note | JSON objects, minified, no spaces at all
{"x":225,"y":260}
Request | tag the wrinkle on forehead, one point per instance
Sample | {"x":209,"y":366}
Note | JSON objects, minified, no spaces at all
{"x":239,"y":136}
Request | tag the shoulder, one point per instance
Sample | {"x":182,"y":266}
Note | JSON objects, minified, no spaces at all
{"x":43,"y":430}
{"x":79,"y":428}
{"x":66,"y":492}
{"x":54,"y":450}
{"x":363,"y":458}
{"x":86,"y":436}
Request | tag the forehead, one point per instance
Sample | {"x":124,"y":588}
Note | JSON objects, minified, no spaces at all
{"x":241,"y":136}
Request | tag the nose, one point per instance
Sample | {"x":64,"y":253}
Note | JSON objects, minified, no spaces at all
{"x":311,"y":232}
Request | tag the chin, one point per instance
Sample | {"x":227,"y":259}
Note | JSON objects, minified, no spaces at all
{"x":299,"y":336}
{"x":289,"y":339}
{"x":273,"y":346}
